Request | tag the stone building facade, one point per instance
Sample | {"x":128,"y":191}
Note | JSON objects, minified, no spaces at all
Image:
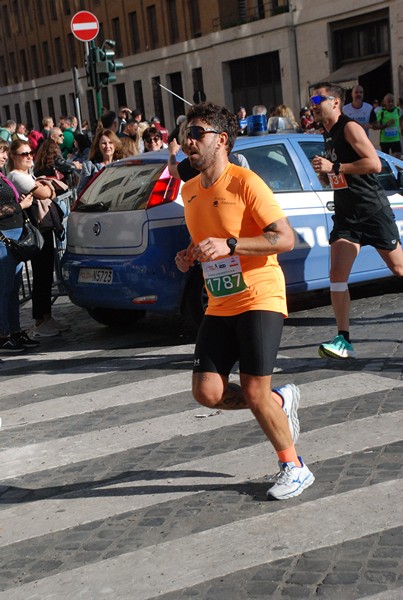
{"x":229,"y":51}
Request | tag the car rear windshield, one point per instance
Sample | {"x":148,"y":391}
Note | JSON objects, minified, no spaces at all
{"x":120,"y":188}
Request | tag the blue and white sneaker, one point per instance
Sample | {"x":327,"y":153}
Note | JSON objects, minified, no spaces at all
{"x":291,"y":395}
{"x":339,"y":347}
{"x":291,"y":481}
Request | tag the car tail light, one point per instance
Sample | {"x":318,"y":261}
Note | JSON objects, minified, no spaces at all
{"x":165,"y":190}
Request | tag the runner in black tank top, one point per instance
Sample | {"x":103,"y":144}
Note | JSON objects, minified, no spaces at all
{"x":363,"y":215}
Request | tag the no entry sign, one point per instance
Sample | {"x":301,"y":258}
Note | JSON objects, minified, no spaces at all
{"x":84,"y":26}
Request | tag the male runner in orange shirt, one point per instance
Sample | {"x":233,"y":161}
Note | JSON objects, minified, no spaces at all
{"x":237,"y":229}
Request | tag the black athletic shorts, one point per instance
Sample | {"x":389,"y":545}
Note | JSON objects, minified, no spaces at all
{"x":252,"y":337}
{"x":379,"y":231}
{"x":392,"y":146}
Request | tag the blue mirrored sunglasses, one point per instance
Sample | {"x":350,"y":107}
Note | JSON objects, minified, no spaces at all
{"x":318,"y":99}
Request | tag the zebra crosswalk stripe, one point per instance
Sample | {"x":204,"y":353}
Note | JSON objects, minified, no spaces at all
{"x":343,"y":516}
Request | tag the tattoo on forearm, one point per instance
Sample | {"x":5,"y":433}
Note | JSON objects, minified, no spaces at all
{"x":270,"y":233}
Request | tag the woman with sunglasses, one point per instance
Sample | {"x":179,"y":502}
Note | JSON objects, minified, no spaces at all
{"x":152,"y":139}
{"x":20,"y":165}
{"x":12,"y":338}
{"x":105,"y":149}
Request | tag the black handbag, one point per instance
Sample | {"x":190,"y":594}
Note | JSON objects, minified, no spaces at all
{"x":28,"y":246}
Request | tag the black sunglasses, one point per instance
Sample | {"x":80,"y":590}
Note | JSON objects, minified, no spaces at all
{"x":152,"y":139}
{"x":197,"y":132}
{"x":24,"y":154}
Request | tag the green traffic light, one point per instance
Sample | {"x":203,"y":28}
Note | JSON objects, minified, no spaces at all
{"x":102,"y":65}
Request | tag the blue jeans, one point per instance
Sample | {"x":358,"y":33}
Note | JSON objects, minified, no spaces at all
{"x":10,"y":281}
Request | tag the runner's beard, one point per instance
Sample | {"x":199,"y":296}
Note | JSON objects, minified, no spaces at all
{"x":202,"y":163}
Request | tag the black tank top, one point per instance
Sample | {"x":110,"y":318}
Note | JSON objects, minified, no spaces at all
{"x":364,"y":196}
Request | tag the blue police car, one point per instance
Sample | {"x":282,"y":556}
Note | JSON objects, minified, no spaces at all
{"x":127,"y":226}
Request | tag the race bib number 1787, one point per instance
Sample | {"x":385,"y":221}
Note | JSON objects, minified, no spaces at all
{"x":224,"y":277}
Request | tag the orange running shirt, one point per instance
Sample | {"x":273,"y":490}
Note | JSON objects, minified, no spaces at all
{"x":239,"y":204}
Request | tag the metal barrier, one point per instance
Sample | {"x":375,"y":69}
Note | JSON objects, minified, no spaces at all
{"x":65,"y":201}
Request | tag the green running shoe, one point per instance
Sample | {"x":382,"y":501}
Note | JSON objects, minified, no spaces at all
{"x":339,"y":347}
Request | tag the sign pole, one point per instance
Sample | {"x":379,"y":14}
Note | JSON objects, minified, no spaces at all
{"x":85,"y":27}
{"x":74,"y":71}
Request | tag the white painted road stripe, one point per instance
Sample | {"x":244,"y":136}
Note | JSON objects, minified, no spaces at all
{"x":18,"y":461}
{"x":106,"y":365}
{"x":120,"y":395}
{"x":313,"y":394}
{"x":254,"y":541}
{"x":32,"y":519}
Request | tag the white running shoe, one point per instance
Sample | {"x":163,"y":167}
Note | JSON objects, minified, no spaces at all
{"x":291,"y":395}
{"x":45,"y":329}
{"x":291,"y":482}
{"x":57,"y":324}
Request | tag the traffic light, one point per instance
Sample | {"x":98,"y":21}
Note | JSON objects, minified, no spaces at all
{"x":90,"y":67}
{"x":106,"y":65}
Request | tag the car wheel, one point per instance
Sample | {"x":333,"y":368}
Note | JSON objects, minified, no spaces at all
{"x":194,"y":301}
{"x":115,"y":318}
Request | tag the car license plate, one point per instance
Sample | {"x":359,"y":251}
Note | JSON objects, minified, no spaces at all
{"x":95,"y":276}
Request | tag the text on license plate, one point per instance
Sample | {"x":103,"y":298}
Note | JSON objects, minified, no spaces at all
{"x":95,"y":276}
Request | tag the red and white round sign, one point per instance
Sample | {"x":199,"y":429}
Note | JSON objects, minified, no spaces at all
{"x":84,"y":26}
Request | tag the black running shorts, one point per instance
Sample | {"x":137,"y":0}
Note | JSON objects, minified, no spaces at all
{"x":252,"y":338}
{"x":379,"y":231}
{"x":391,"y":146}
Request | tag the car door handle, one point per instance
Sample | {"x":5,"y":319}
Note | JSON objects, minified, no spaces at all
{"x":330,"y":206}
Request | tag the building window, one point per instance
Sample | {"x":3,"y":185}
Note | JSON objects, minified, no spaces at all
{"x":157,"y":97}
{"x":7,"y":112}
{"x":175,"y":80}
{"x":51,"y":109}
{"x":134,"y":32}
{"x":172,"y":22}
{"x":357,"y":39}
{"x":67,"y":7}
{"x":72,"y":104}
{"x":256,"y":80}
{"x":53,"y":9}
{"x":39,"y":112}
{"x":35,"y":62}
{"x":28,"y":112}
{"x":3,"y":72}
{"x":194,"y":12}
{"x":152,"y":23}
{"x":59,"y":54}
{"x":138,"y":96}
{"x":13,"y":66}
{"x":17,"y":111}
{"x":39,"y":12}
{"x":6,"y":19}
{"x":24,"y":65}
{"x":47,"y":58}
{"x":198,"y":85}
{"x":117,"y":36}
{"x":16,"y":15}
{"x":63,"y":105}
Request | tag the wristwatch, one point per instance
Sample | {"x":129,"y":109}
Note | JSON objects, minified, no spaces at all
{"x":336,"y":167}
{"x":231,"y":243}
